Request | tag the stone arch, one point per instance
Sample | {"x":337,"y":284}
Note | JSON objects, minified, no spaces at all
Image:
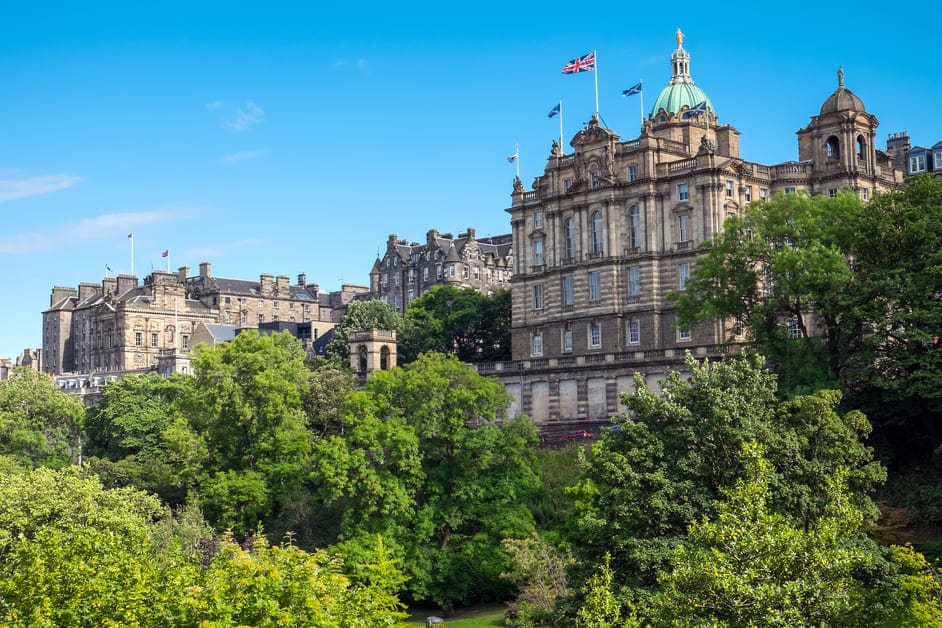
{"x":832,"y":147}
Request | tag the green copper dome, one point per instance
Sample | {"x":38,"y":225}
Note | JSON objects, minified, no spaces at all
{"x":673,"y":98}
{"x":680,"y":93}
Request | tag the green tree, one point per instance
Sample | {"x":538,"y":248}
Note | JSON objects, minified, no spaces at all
{"x":424,"y":464}
{"x":783,"y":271}
{"x":247,"y":411}
{"x":462,"y":321}
{"x":39,"y":425}
{"x":328,"y":385}
{"x":538,"y":570}
{"x":644,"y":485}
{"x":360,"y":316}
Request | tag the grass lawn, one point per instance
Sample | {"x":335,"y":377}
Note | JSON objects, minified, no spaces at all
{"x":483,"y":616}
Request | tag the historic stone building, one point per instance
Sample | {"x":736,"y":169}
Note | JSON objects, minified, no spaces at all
{"x":611,"y":228}
{"x":409,"y":270}
{"x":123,"y":325}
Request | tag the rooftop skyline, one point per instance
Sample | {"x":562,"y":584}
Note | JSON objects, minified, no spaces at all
{"x":298,"y":140}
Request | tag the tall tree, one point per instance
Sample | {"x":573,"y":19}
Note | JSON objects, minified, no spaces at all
{"x":39,"y":425}
{"x":424,"y":464}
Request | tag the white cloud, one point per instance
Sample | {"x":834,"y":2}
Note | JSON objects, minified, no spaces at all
{"x":243,"y":155}
{"x":24,"y":187}
{"x":213,"y":105}
{"x":245,"y":117}
{"x":96,"y":228}
{"x":361,"y":65}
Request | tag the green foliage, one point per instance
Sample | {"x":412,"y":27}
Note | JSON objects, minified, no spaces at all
{"x":643,"y":486}
{"x":327,"y":387}
{"x":538,"y":570}
{"x":423,"y":464}
{"x":39,"y":425}
{"x":462,"y":321}
{"x":752,"y":566}
{"x":600,"y":609}
{"x":360,"y":316}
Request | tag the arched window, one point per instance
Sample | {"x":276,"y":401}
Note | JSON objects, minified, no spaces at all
{"x":597,"y":232}
{"x":832,"y":148}
{"x":569,"y":239}
{"x":384,"y":358}
{"x":634,"y":227}
{"x":861,"y":147}
{"x":362,"y":352}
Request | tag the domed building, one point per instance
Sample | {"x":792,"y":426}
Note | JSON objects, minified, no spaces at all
{"x":612,"y":227}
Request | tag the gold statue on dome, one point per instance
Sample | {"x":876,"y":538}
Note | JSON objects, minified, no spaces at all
{"x":680,"y":38}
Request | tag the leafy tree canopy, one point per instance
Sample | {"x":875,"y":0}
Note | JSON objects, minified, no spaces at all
{"x":360,"y":316}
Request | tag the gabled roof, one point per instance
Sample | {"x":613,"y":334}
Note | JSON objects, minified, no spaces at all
{"x":221,"y":333}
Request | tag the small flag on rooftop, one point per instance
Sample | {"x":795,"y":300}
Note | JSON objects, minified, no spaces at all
{"x":555,"y":110}
{"x":166,"y":253}
{"x":513,"y":157}
{"x":585,"y":63}
{"x":634,"y":89}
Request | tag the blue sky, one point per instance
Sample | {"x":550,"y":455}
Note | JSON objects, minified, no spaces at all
{"x":287,"y":138}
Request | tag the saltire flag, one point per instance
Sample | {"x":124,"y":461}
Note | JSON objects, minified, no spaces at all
{"x":555,"y":110}
{"x":580,"y":64}
{"x":513,"y":157}
{"x":131,"y":235}
{"x":696,"y":110}
{"x":634,"y":89}
{"x":165,"y":253}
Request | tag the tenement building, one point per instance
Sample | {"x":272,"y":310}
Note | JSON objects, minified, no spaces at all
{"x":410,"y":269}
{"x":124,"y":325}
{"x":611,"y":228}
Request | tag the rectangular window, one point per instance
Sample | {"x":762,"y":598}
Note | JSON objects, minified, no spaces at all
{"x":683,"y":334}
{"x":261,"y":318}
{"x":567,"y":184}
{"x":261,"y":303}
{"x":567,"y":340}
{"x":634,"y":332}
{"x":477,"y":273}
{"x":594,"y":179}
{"x":568,"y":296}
{"x":595,"y":335}
{"x":864,"y":193}
{"x":937,"y":161}
{"x":138,"y":339}
{"x":538,"y":297}
{"x":452,"y":270}
{"x":438,"y":271}
{"x":537,"y":344}
{"x":763,"y":194}
{"x":276,"y":304}
{"x":682,"y":192}
{"x":595,"y":285}
{"x":425,"y":273}
{"x":634,"y":281}
{"x":411,"y":295}
{"x":245,"y":318}
{"x":153,"y":340}
{"x":748,"y":194}
{"x":228,"y":317}
{"x":538,"y":220}
{"x":634,"y":227}
{"x":538,"y":253}
{"x":185,"y":341}
{"x":790,"y":190}
{"x":683,"y":222}
{"x":683,"y":273}
{"x":917,"y":163}
{"x":832,"y":192}
{"x":729,"y":188}
{"x":794,"y":329}
{"x":398,"y":301}
{"x":632,"y":172}
{"x":396,"y":280}
{"x":411,"y":275}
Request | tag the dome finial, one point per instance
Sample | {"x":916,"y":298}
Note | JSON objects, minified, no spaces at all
{"x":680,"y":38}
{"x":840,"y":77}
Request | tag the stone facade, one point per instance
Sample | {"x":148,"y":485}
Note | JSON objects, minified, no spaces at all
{"x":122,"y":325}
{"x":409,"y":270}
{"x":609,"y":230}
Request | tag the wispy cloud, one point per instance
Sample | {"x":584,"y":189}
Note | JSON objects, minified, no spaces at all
{"x":14,"y":185}
{"x":361,"y":65}
{"x":213,"y":105}
{"x":96,"y":228}
{"x":245,"y":117}
{"x":243,"y":155}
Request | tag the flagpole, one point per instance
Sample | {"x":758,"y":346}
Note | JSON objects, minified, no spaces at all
{"x":131,"y":235}
{"x":641,"y":93}
{"x":168,"y":260}
{"x":561,"y":127}
{"x":596,"y":54}
{"x":517,"y":160}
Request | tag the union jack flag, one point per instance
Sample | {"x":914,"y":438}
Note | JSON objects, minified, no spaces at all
{"x":580,"y":64}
